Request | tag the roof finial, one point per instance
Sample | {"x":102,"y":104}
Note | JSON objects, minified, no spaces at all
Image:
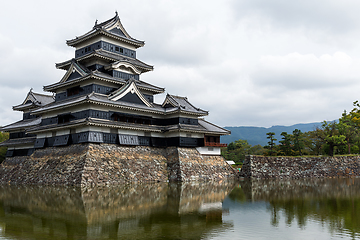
{"x":96,"y":22}
{"x":31,"y":89}
{"x":116,"y":13}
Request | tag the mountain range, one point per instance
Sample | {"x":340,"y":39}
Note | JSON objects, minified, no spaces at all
{"x":257,"y":135}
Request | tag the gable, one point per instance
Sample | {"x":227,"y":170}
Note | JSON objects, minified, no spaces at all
{"x":130,"y":93}
{"x":132,"y":98}
{"x":73,"y":76}
{"x":73,"y":72}
{"x":168,"y":103}
{"x":117,"y":31}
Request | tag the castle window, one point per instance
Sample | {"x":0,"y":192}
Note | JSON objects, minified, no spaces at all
{"x":117,"y":49}
{"x":73,"y":91}
{"x":121,"y":50}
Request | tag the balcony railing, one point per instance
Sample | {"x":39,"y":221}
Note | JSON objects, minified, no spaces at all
{"x":214,"y":144}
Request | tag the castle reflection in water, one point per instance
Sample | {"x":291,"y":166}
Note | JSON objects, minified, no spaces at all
{"x":254,"y":209}
{"x":146,"y":211}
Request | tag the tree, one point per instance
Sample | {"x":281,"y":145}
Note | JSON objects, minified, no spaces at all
{"x":271,"y":143}
{"x":285,"y":144}
{"x":348,"y":127}
{"x":314,"y":141}
{"x":3,"y":137}
{"x":236,"y":151}
{"x":332,"y":136}
{"x":297,"y":140}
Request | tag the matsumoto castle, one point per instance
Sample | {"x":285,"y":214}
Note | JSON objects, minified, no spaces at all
{"x":102,"y":99}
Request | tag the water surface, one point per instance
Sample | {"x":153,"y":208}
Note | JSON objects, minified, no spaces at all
{"x":287,"y":209}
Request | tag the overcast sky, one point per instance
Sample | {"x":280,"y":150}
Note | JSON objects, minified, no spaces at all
{"x":249,"y":62}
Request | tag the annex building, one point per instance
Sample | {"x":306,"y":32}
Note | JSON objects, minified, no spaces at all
{"x":102,"y":99}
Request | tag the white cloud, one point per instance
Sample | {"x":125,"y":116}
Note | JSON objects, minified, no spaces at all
{"x":255,"y":62}
{"x":296,"y":71}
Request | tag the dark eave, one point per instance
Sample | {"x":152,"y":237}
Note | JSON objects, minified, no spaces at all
{"x":213,"y":128}
{"x":100,"y":31}
{"x":36,"y":100}
{"x":200,"y":128}
{"x":24,"y":107}
{"x":109,"y":56}
{"x":99,"y":123}
{"x":103,"y":100}
{"x":182,"y":103}
{"x":18,"y":141}
{"x":105,"y":28}
{"x":21,"y":125}
{"x":106,"y":78}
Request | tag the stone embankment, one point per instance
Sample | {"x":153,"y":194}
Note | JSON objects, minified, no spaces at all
{"x":300,"y":167}
{"x":310,"y":188}
{"x":106,"y":164}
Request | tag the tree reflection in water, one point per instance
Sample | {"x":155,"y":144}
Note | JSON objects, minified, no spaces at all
{"x":333,"y":202}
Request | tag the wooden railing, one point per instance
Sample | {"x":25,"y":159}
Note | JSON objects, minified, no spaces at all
{"x":214,"y":144}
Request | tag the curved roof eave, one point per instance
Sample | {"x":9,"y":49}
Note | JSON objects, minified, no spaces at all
{"x":53,"y":87}
{"x":74,"y":42}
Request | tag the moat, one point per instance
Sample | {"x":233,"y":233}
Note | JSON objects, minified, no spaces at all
{"x":257,"y":209}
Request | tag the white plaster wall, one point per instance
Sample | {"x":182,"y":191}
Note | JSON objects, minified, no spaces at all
{"x":209,"y":150}
{"x":62,"y":132}
{"x":27,"y":146}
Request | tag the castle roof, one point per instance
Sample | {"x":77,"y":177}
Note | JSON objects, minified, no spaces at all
{"x":34,"y":100}
{"x":18,"y":141}
{"x":103,"y":100}
{"x":112,"y":28}
{"x":22,"y":124}
{"x":109,"y":56}
{"x":173,"y":101}
{"x":203,"y":126}
{"x":71,"y":78}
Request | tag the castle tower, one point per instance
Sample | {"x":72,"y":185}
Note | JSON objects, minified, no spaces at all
{"x":102,"y":99}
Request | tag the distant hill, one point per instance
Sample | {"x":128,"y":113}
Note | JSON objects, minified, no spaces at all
{"x":257,"y":135}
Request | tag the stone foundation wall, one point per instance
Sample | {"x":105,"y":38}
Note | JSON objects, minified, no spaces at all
{"x":300,"y":167}
{"x":194,"y":166}
{"x":107,"y":164}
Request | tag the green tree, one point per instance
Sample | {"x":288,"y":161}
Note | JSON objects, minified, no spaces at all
{"x":3,"y":137}
{"x":314,"y":142}
{"x":271,"y":144}
{"x":349,"y":129}
{"x":285,"y":144}
{"x":236,"y":151}
{"x":332,"y":136}
{"x":298,"y":142}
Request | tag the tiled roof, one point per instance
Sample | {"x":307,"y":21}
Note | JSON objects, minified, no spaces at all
{"x":112,"y":57}
{"x":106,"y":77}
{"x":182,"y":103}
{"x":103,"y":100}
{"x":122,"y":58}
{"x":18,"y":141}
{"x":36,"y":100}
{"x":23,"y":124}
{"x":98,"y":122}
{"x":108,"y":28}
{"x":202,"y":127}
{"x":213,"y":128}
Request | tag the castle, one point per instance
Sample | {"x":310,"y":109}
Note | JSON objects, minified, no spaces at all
{"x":101,"y":99}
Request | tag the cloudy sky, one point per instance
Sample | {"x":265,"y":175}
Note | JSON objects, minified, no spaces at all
{"x":249,"y":62}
